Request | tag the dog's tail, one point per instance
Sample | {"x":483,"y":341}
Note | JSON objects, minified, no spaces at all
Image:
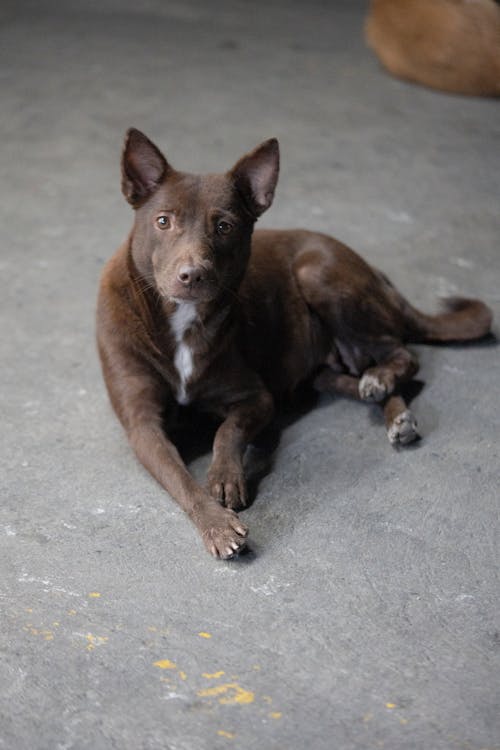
{"x":461,"y":320}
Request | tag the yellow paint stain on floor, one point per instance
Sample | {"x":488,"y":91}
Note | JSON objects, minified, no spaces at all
{"x":47,"y":635}
{"x":228,"y":735}
{"x":164,"y":664}
{"x":390,"y":705}
{"x":182,"y":675}
{"x":230,"y":693}
{"x":213,"y":675}
{"x":275,"y":715}
{"x":95,"y":640}
{"x":94,"y":595}
{"x":72,"y":612}
{"x":204,"y":635}
{"x":267,"y":698}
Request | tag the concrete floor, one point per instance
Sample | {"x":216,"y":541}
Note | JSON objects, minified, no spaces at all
{"x":366,"y":614}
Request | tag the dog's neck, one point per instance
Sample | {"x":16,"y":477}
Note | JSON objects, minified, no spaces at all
{"x":181,"y":321}
{"x":189,"y":316}
{"x":195,"y":332}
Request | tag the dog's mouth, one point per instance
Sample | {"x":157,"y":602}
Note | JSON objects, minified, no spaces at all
{"x":186,"y":297}
{"x":205,"y":293}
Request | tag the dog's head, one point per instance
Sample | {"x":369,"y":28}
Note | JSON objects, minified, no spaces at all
{"x":192,"y":232}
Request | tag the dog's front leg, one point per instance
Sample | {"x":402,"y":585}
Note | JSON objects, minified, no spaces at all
{"x":221,"y":530}
{"x":139,"y":398}
{"x":244,"y":420}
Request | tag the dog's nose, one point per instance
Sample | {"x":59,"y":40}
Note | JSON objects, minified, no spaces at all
{"x":190,"y":275}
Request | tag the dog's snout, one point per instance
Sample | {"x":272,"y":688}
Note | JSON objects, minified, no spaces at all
{"x":192,"y":279}
{"x":191,"y":275}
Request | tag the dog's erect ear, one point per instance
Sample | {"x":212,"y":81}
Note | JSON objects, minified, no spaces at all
{"x":143,"y":167}
{"x":256,"y":174}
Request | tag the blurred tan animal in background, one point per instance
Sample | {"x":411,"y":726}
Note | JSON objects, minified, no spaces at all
{"x":451,"y":45}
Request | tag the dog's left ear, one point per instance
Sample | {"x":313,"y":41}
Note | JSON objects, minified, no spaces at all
{"x":256,"y":174}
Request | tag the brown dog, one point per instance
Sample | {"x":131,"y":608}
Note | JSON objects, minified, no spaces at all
{"x":451,"y":45}
{"x":196,"y":308}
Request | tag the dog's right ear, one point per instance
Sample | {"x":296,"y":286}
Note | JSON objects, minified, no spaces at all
{"x":143,"y":167}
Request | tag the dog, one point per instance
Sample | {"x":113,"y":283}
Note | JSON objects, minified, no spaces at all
{"x":197,"y":308}
{"x":450,"y":45}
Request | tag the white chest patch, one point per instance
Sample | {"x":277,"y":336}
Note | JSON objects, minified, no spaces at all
{"x":180,"y":322}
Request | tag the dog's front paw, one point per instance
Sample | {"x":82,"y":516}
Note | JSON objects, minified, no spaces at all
{"x":375,"y":386}
{"x":223,"y":533}
{"x":228,"y":487}
{"x":403,"y":429}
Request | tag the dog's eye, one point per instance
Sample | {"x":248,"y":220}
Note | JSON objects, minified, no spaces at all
{"x":223,"y":227}
{"x":163,"y":222}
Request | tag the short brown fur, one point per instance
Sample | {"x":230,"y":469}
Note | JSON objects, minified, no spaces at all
{"x":451,"y":45}
{"x":197,"y":308}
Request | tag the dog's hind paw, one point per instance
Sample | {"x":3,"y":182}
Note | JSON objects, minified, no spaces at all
{"x":403,"y":429}
{"x":373,"y":388}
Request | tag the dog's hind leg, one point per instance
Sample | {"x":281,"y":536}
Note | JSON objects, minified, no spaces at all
{"x":378,"y":382}
{"x":400,"y":423}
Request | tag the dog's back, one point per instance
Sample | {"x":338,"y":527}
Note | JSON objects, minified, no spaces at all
{"x":451,"y":45}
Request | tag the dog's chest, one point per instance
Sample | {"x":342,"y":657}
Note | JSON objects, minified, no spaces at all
{"x":180,"y":323}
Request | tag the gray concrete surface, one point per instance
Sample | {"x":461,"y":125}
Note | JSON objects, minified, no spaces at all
{"x":366,"y":614}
